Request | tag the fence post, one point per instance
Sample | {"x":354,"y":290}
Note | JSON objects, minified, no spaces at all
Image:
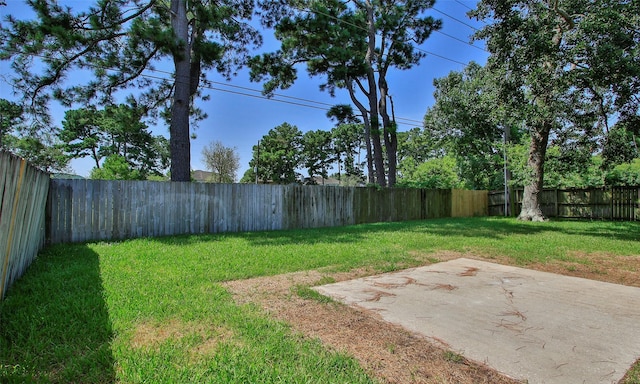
{"x":612,"y":199}
{"x":636,"y":213}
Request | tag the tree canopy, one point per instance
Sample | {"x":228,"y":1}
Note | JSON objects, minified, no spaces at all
{"x":121,"y":45}
{"x":223,"y":161}
{"x":40,"y":148}
{"x":278,"y":155}
{"x":115,"y":130}
{"x":468,"y":123}
{"x":569,"y":65}
{"x":353,"y":44}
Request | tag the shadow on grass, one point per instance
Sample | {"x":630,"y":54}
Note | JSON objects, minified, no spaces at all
{"x":348,"y":234}
{"x":54,"y":324}
{"x":477,"y":227}
{"x":497,"y":228}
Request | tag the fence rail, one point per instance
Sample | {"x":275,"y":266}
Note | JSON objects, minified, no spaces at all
{"x":84,"y":210}
{"x":23,"y":196}
{"x":611,"y":203}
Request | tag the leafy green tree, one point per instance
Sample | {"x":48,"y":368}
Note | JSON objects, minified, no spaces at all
{"x":40,"y":149}
{"x":317,"y":153}
{"x":82,"y":135}
{"x":416,"y":144}
{"x":627,"y":174}
{"x":115,"y":130}
{"x":354,"y":44}
{"x":620,"y":144}
{"x":437,"y":173}
{"x":10,"y":120}
{"x":342,"y":114}
{"x":115,"y":42}
{"x":129,"y":136}
{"x":400,"y":24}
{"x":223,"y":161}
{"x":568,"y":64}
{"x":278,"y":155}
{"x":348,"y":139}
{"x":469,"y":123}
{"x":588,"y":173}
{"x":115,"y":167}
{"x":249,"y":176}
{"x":41,"y":152}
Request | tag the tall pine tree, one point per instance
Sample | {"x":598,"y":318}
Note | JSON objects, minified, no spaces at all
{"x":117,"y":45}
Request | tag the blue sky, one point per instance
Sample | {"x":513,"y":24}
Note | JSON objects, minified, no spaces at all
{"x":241,"y":120}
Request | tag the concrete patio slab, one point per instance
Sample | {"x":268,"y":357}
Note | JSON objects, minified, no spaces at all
{"x":530,"y":325}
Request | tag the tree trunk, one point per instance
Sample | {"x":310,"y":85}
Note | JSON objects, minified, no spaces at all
{"x":540,"y":132}
{"x":367,"y":130}
{"x":389,"y":130}
{"x":95,"y":157}
{"x":179,"y":131}
{"x":378,"y":159}
{"x":530,"y":201}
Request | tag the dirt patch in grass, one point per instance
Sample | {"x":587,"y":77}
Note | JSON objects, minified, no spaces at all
{"x":151,"y":335}
{"x":205,"y":338}
{"x":623,"y":270}
{"x":389,"y":352}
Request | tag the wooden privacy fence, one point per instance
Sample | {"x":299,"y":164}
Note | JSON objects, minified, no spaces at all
{"x":610,"y":203}
{"x":84,"y":210}
{"x":469,"y":203}
{"x":23,"y":196}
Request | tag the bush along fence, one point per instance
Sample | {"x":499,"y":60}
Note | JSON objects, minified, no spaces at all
{"x":86,"y":210}
{"x":23,"y":196}
{"x":610,"y":203}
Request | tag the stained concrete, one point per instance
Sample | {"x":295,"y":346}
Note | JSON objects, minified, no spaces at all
{"x":530,"y":325}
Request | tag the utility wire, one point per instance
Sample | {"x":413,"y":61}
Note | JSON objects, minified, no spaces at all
{"x":248,"y":89}
{"x":462,"y":41}
{"x":364,"y":29}
{"x":307,"y":103}
{"x":263,"y":97}
{"x":458,"y":20}
{"x":471,"y":9}
{"x":407,"y":120}
{"x":463,"y":4}
{"x":243,"y":93}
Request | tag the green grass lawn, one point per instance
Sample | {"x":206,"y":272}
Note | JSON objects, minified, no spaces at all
{"x":153,"y":310}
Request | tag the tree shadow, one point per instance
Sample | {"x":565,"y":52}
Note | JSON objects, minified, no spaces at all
{"x":497,"y":228}
{"x":475,"y":227}
{"x":347,"y":234}
{"x":54,"y":322}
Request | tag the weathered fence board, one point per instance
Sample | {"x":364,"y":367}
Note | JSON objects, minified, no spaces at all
{"x":610,"y":203}
{"x":84,"y":210}
{"x":23,"y":195}
{"x":469,"y":203}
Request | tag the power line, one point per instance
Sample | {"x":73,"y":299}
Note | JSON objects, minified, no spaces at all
{"x":462,"y":41}
{"x":463,"y":4}
{"x":249,"y":89}
{"x":308,"y":103}
{"x":241,"y":93}
{"x":458,"y":20}
{"x":407,"y":120}
{"x":471,"y":9}
{"x":415,"y":47}
{"x":301,"y":101}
